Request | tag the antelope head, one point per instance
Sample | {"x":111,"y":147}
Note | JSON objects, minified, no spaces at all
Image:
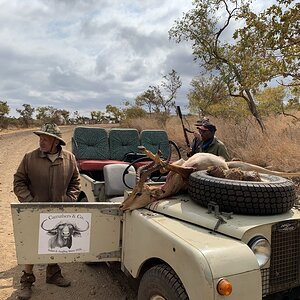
{"x":143,"y":194}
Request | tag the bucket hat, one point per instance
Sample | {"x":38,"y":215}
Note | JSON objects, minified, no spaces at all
{"x":51,"y":129}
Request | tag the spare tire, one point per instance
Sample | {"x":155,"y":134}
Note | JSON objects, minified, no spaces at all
{"x":273,"y":195}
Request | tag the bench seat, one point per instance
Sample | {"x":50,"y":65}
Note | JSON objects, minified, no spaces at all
{"x":95,"y":147}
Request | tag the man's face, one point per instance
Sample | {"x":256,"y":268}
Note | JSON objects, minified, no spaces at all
{"x":48,"y":143}
{"x":206,"y":134}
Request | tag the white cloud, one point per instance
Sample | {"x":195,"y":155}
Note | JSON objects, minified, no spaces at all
{"x":84,"y":54}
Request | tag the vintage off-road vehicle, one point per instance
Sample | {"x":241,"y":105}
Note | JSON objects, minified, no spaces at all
{"x":224,"y":239}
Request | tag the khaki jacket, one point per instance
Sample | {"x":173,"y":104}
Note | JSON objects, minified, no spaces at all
{"x":38,"y":179}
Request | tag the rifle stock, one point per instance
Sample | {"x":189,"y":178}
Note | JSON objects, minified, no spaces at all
{"x":184,"y":129}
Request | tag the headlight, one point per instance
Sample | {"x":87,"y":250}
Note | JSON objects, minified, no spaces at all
{"x":261,"y":249}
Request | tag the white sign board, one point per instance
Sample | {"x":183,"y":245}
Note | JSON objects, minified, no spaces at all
{"x":64,"y":233}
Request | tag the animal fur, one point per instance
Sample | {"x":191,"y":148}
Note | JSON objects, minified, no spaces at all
{"x":176,"y":183}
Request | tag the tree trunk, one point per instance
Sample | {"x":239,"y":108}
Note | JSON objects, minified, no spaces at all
{"x":253,"y":109}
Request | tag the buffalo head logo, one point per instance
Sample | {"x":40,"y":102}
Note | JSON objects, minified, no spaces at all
{"x":62,"y":233}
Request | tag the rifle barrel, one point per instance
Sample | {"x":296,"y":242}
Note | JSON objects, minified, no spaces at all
{"x":184,"y":129}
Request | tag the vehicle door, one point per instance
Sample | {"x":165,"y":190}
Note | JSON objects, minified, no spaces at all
{"x":67,"y":232}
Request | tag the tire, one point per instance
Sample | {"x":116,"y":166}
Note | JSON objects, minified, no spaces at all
{"x":161,"y":282}
{"x":274,"y":195}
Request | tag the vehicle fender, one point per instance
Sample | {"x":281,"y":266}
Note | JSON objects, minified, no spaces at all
{"x":198,"y":256}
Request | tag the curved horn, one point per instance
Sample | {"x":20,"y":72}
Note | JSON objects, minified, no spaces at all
{"x":82,"y":230}
{"x":42,"y":226}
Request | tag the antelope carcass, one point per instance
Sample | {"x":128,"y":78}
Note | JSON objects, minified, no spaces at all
{"x":177,"y":178}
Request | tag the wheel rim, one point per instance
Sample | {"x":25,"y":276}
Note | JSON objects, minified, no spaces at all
{"x":157,"y":297}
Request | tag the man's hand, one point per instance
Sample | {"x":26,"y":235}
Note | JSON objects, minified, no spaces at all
{"x":197,"y":135}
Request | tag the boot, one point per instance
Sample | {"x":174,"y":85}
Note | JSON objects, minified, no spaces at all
{"x":26,"y":281}
{"x":54,"y":276}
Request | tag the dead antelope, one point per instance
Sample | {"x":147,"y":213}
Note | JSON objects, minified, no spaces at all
{"x":177,"y":178}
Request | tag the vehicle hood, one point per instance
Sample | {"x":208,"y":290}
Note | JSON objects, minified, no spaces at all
{"x":183,"y":208}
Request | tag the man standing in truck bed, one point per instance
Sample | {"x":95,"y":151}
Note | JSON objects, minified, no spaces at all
{"x":47,"y":174}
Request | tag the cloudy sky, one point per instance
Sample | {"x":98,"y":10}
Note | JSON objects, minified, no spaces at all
{"x":81,"y":55}
{"x":84,"y":54}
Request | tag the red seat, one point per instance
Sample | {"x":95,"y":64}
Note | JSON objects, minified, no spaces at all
{"x":142,"y":164}
{"x":96,"y":165}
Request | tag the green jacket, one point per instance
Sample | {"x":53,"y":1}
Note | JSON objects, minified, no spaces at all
{"x":216,"y":147}
{"x":38,"y":179}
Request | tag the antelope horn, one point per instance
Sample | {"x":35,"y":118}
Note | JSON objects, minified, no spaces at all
{"x":145,"y":175}
{"x":165,"y":167}
{"x":143,"y":169}
{"x":156,"y":158}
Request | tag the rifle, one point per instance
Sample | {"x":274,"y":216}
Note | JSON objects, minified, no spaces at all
{"x":185,"y":130}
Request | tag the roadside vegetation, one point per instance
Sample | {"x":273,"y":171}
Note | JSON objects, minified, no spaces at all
{"x":277,"y":148}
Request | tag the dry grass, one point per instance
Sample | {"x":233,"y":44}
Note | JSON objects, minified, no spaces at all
{"x":278,"y":148}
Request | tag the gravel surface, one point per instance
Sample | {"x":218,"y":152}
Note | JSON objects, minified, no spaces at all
{"x":97,"y":281}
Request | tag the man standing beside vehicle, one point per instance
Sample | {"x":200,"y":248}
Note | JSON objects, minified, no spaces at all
{"x":47,"y":174}
{"x":205,"y":141}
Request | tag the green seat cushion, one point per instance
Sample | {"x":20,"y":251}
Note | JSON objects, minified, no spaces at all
{"x":155,"y":140}
{"x":90,"y":143}
{"x":123,"y":141}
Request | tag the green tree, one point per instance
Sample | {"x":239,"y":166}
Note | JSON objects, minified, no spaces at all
{"x":115,"y":113}
{"x":4,"y":109}
{"x":170,"y":84}
{"x":231,"y":108}
{"x":270,"y":100}
{"x":294,"y":100}
{"x":45,"y":113}
{"x":50,"y":114}
{"x":134,"y":112}
{"x":93,"y":116}
{"x":242,"y":65}
{"x":148,"y":99}
{"x":275,"y":34}
{"x":26,"y":114}
{"x":205,"y":93}
{"x":97,"y":116}
{"x":161,"y":98}
{"x":78,"y":118}
{"x":61,"y":116}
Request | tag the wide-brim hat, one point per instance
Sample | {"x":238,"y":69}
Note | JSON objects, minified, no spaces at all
{"x":51,"y":129}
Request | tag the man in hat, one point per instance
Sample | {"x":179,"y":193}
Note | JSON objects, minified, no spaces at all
{"x":205,"y":141}
{"x":47,"y":174}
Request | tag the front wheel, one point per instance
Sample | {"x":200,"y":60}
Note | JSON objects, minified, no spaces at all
{"x":161,"y":283}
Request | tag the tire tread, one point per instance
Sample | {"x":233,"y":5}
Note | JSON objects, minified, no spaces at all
{"x":243,"y":197}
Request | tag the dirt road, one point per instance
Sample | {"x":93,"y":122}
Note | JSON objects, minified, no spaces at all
{"x":88,"y":282}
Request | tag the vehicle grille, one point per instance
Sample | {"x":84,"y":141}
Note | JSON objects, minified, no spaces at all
{"x":283,"y":272}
